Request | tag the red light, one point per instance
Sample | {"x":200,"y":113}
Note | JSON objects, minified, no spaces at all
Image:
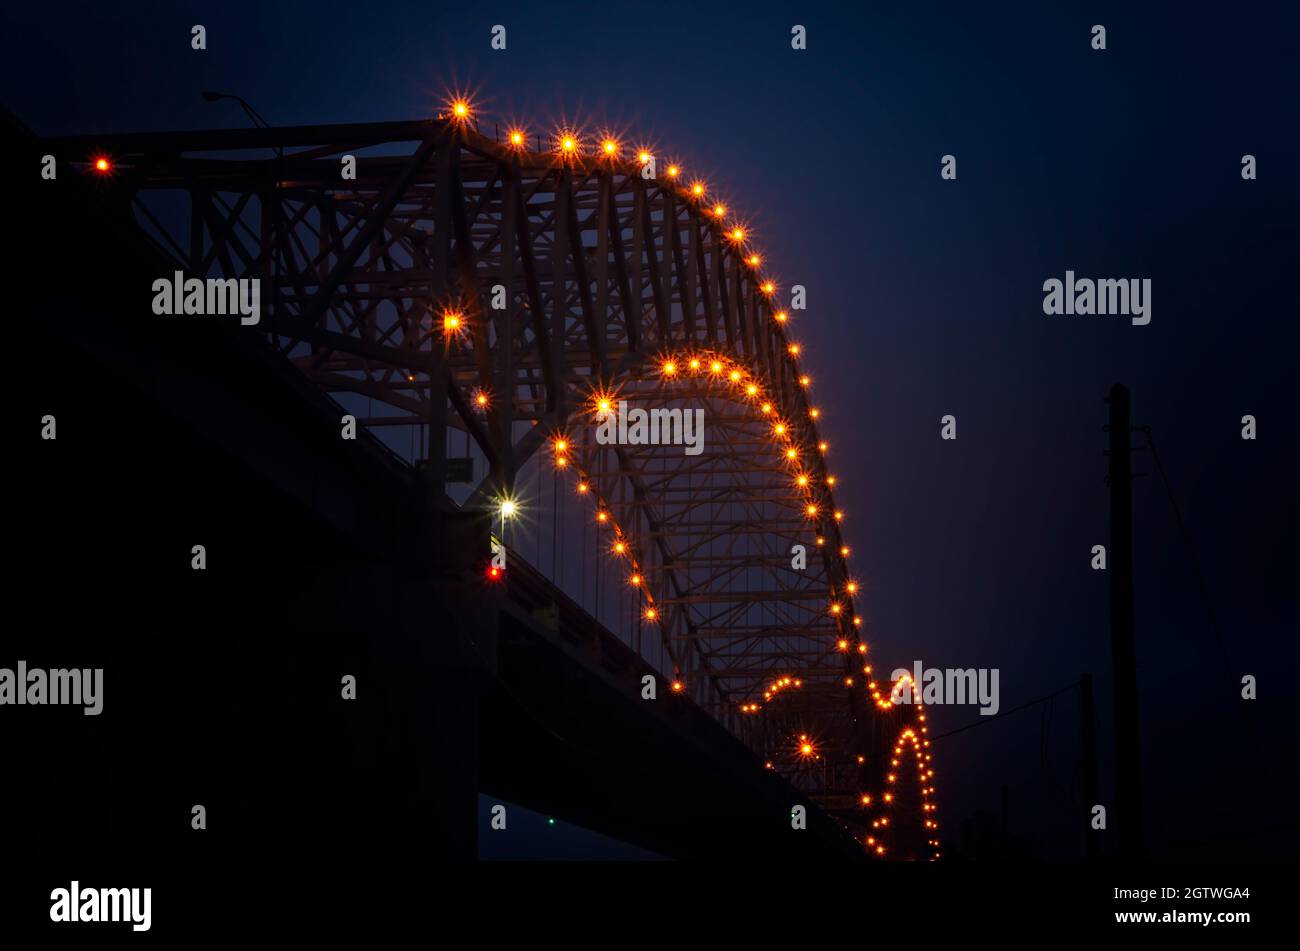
{"x":103,"y":165}
{"x":494,"y":573}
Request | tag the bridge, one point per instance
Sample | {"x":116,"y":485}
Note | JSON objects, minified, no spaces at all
{"x":657,"y":638}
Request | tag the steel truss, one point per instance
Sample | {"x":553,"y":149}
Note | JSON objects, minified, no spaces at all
{"x":604,"y":277}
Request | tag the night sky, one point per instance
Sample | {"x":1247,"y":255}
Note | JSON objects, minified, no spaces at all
{"x":924,"y":299}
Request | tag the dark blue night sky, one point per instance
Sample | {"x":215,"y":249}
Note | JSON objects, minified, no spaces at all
{"x":925,"y":299}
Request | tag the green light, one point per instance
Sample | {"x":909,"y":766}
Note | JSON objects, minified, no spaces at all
{"x":550,"y":822}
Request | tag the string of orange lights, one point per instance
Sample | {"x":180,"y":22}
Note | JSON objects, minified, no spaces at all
{"x":793,"y":440}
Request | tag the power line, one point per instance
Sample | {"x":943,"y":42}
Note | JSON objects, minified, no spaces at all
{"x":1006,"y":713}
{"x":1191,"y":551}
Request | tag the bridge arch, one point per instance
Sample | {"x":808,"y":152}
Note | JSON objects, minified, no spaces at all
{"x":466,"y":291}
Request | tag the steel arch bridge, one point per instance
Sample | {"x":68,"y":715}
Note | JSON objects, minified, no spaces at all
{"x":443,"y":285}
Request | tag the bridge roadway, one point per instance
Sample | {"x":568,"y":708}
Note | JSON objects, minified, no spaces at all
{"x":222,"y":686}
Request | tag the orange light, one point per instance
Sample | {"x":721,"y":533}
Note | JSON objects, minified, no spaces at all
{"x":561,"y":445}
{"x":823,"y":445}
{"x":754,"y":260}
{"x":792,"y":453}
{"x":766,"y":408}
{"x":737,"y":234}
{"x":669,"y":368}
{"x":694,"y":364}
{"x":602,"y":516}
{"x":735,"y":376}
{"x":806,"y":749}
{"x":673,"y":171}
{"x":862,"y":648}
{"x":839,"y":516}
{"x":848,"y":681}
{"x":804,"y":380}
{"x":715,"y":366}
{"x":460,"y":109}
{"x":517,"y":138}
{"x":831,"y":480}
{"x":779,"y":429}
{"x":844,"y":551}
{"x":794,"y":349}
{"x":768,"y":287}
{"x":620,"y":547}
{"x":842,"y":644}
{"x":634,"y":580}
{"x":103,"y":165}
{"x":781,"y":316}
{"x":697,"y":189}
{"x":582,"y":488}
{"x":836,"y":608}
{"x":814,"y":413}
{"x":568,"y":144}
{"x":801,"y":479}
{"x":481,"y":399}
{"x":643,"y":156}
{"x":851,"y":587}
{"x":609,"y":147}
{"x":820,"y":540}
{"x":650,"y":615}
{"x":751,"y":390}
{"x":811,"y":510}
{"x":450,"y":322}
{"x":719,"y":210}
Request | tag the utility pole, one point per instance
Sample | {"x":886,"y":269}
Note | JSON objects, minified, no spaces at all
{"x":1087,"y":720}
{"x":1128,"y":779}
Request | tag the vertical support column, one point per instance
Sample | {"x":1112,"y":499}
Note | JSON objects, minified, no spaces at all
{"x":667,"y":268}
{"x":724,"y":298}
{"x":446,"y":175}
{"x":707,"y":295}
{"x":602,"y":252}
{"x":635,"y":314}
{"x":502,"y":406}
{"x":743,"y":307}
{"x":685,"y":272}
{"x":1128,"y":781}
{"x":559,"y":292}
